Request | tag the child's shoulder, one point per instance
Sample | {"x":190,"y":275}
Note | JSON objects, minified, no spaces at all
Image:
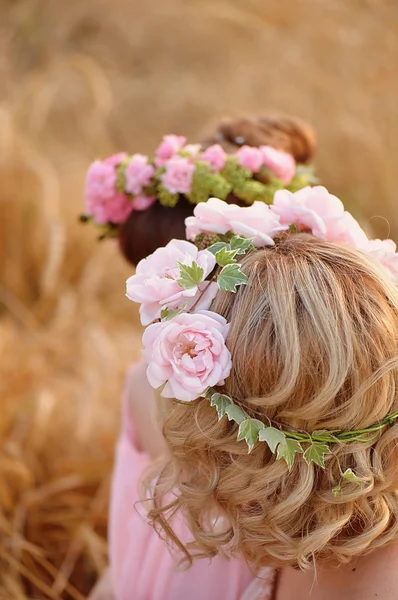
{"x":140,"y":405}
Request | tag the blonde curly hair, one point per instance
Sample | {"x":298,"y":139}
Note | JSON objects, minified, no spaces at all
{"x":314,"y":344}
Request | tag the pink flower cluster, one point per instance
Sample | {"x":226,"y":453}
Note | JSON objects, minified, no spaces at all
{"x":280,"y":163}
{"x":155,"y":283}
{"x":103,"y":201}
{"x":216,"y":216}
{"x":187,"y":354}
{"x":314,"y":209}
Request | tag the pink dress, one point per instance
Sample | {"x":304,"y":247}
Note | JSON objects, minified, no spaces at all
{"x":141,"y":564}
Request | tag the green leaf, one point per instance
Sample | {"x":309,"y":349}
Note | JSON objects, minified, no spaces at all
{"x":167,"y":314}
{"x":349,"y":475}
{"x":214,"y":248}
{"x":241,"y":244}
{"x":190,"y":276}
{"x":230,"y":277}
{"x":272,"y":436}
{"x":234,"y":413}
{"x":248,"y":430}
{"x":316,"y":454}
{"x":220,"y":402}
{"x":226,"y":257}
{"x":288,"y":450}
{"x":336,"y":490}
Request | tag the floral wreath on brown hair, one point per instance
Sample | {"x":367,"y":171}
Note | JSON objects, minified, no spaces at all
{"x":124,"y":183}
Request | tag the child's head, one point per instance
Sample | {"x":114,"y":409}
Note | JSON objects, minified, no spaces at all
{"x":314,"y":345}
{"x":140,"y":231}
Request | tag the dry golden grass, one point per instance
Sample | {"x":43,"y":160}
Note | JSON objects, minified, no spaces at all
{"x":85,"y":79}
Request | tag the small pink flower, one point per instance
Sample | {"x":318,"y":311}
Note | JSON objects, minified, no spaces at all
{"x":141,"y":203}
{"x":116,"y":159}
{"x":250,"y":158}
{"x":280,"y":163}
{"x":187,"y":354}
{"x":385,"y":252}
{"x":170,"y":145}
{"x":155,"y":286}
{"x":215,"y":216}
{"x":322,"y":213}
{"x":178,"y":176}
{"x":103,"y":201}
{"x":138,"y":174}
{"x":215,"y":156}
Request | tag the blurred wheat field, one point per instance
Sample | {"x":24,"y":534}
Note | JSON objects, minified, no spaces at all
{"x":81,"y":80}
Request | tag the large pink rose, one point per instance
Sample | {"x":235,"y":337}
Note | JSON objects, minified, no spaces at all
{"x":170,"y":145}
{"x":178,"y":176}
{"x":280,"y":163}
{"x":187,"y":354}
{"x":215,"y":156}
{"x":256,"y":221}
{"x":209,"y":217}
{"x":103,"y":202}
{"x":322,"y":213}
{"x":216,"y":216}
{"x":155,"y":286}
{"x":385,"y":252}
{"x":138,"y":174}
{"x":250,"y":158}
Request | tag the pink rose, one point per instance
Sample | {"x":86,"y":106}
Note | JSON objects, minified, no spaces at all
{"x":170,"y":145}
{"x":256,"y":221}
{"x":178,"y":176}
{"x":215,"y":156}
{"x":250,"y":158}
{"x":280,"y":163}
{"x":215,"y":216}
{"x":385,"y":252}
{"x":322,"y":213}
{"x":209,"y":217}
{"x":103,"y":201}
{"x":188,"y":354}
{"x":141,"y":203}
{"x":155,"y":286}
{"x":138,"y":174}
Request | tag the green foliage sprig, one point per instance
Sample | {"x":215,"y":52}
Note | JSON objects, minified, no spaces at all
{"x":286,"y":444}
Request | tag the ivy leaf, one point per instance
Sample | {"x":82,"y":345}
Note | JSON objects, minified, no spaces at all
{"x":225,"y":257}
{"x":220,"y":402}
{"x":190,"y":275}
{"x":349,"y":475}
{"x":316,"y":454}
{"x":234,"y":413}
{"x":240,"y":244}
{"x":230,"y":277}
{"x":288,"y":450}
{"x":167,"y":314}
{"x":272,"y":436}
{"x":249,"y":430}
{"x":214,"y":248}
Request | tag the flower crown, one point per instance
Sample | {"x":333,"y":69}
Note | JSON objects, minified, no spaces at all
{"x":122,"y":183}
{"x":185,"y":343}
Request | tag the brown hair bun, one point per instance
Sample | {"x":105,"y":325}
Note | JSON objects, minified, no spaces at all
{"x":284,"y":133}
{"x":144,"y":232}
